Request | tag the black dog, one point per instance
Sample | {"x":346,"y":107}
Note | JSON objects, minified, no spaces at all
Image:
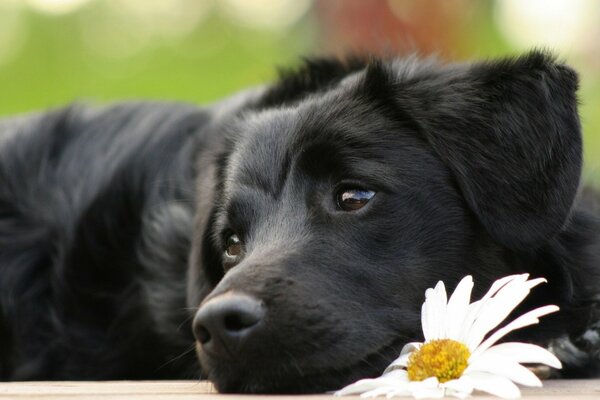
{"x":306,"y":219}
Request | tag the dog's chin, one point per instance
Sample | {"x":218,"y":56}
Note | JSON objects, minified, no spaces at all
{"x":289,"y":378}
{"x":286,"y":383}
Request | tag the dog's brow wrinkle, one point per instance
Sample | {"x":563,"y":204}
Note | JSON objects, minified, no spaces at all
{"x":269,"y":171}
{"x":259,"y":185}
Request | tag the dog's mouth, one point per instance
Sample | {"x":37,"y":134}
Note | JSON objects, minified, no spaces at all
{"x":289,"y":376}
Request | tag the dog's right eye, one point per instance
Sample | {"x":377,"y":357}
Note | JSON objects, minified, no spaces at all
{"x":353,"y":199}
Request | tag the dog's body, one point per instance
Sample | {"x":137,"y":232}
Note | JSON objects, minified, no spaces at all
{"x":116,"y":224}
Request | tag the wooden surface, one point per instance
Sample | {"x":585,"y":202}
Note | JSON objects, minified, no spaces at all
{"x":555,"y":390}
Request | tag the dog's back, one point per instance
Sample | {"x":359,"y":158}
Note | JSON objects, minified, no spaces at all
{"x":95,"y":220}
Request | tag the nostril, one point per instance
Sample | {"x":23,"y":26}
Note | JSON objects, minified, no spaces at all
{"x":238,"y":321}
{"x":202,"y":334}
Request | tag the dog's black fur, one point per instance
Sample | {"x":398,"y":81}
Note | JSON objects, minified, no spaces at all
{"x":113,"y":222}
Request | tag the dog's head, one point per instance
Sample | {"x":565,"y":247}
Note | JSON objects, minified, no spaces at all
{"x":336,"y":203}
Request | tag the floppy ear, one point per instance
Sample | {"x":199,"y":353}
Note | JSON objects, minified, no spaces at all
{"x":510,"y":133}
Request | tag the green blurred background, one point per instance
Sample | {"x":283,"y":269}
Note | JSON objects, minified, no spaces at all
{"x":53,"y":52}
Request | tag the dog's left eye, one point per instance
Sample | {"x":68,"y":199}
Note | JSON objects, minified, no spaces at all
{"x":234,"y":251}
{"x":353,"y":199}
{"x":234,"y":246}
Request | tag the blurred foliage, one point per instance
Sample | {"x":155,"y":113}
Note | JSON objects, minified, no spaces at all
{"x":101,"y":50}
{"x":57,"y":66}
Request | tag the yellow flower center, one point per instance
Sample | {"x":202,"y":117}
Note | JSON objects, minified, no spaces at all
{"x":445,"y":359}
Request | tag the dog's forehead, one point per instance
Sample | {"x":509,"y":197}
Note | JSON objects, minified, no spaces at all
{"x":261,"y":150}
{"x":269,"y":141}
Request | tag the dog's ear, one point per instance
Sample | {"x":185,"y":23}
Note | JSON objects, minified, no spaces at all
{"x":510,"y":133}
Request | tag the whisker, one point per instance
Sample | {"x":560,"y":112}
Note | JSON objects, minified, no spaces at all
{"x":180,"y":356}
{"x":185,"y":321}
{"x":294,"y":363}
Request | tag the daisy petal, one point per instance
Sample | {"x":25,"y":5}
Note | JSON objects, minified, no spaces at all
{"x":428,"y":393}
{"x":495,"y":385}
{"x":502,"y":282}
{"x":457,"y":307}
{"x":442,"y":304}
{"x":534,"y":282}
{"x":397,"y":374}
{"x":479,"y":307}
{"x":470,"y":316}
{"x":525,"y":353}
{"x":400,"y":362}
{"x":505,"y":367}
{"x":395,"y":392}
{"x":404,"y":355}
{"x":499,"y":307}
{"x":410,"y":347}
{"x":426,"y":389}
{"x":425,"y":320}
{"x":427,"y":317}
{"x":395,"y":379}
{"x":529,"y":318}
{"x":360,"y":386}
{"x":458,"y":395}
{"x":433,"y":312}
{"x":461,"y":387}
{"x":381,"y":391}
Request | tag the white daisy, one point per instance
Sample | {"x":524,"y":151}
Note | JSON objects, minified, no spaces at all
{"x":457,"y":357}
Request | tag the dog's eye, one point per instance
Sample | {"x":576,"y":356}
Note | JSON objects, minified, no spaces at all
{"x":353,"y":199}
{"x":234,"y":246}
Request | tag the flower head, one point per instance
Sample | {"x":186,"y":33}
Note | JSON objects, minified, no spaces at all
{"x":460,"y":353}
{"x":446,"y":359}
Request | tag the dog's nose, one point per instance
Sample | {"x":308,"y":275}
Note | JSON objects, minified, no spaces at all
{"x":227,"y":320}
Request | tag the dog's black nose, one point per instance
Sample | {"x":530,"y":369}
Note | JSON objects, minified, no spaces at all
{"x":227,"y":320}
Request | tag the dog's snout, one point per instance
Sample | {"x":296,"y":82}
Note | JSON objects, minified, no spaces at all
{"x":227,"y":320}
